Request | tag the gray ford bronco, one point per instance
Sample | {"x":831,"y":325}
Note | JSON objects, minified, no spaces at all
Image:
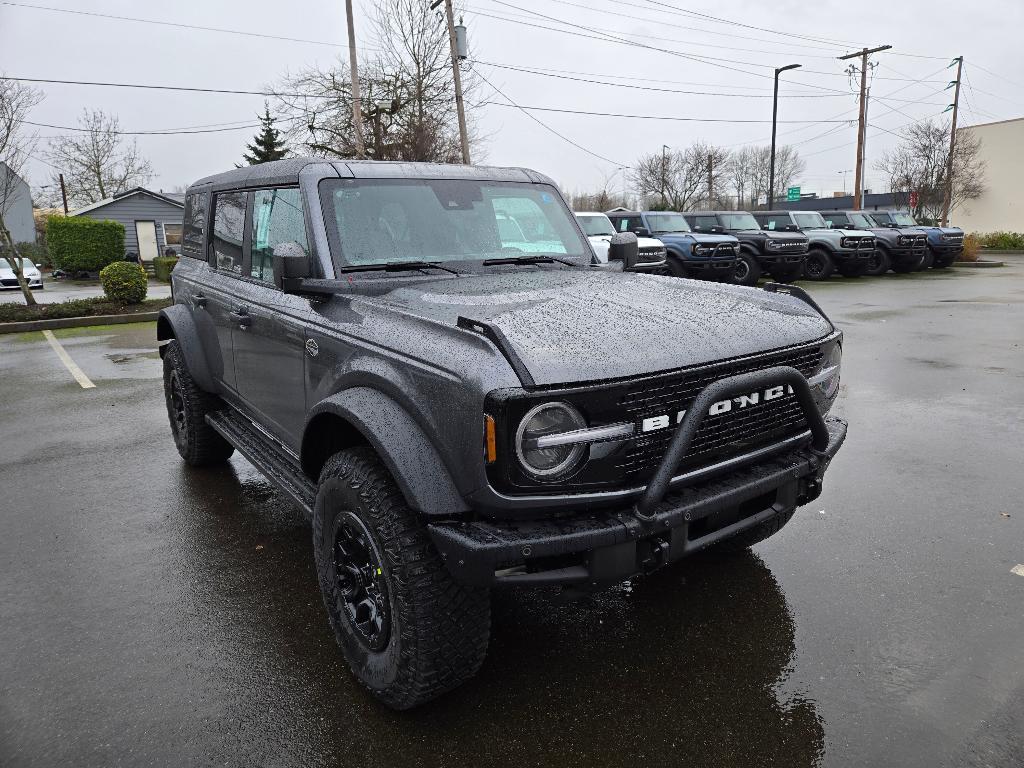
{"x":456,"y":411}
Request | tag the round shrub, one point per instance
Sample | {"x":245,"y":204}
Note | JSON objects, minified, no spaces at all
{"x":162,"y":266}
{"x":123,"y":281}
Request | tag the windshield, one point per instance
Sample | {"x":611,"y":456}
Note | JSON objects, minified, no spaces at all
{"x":381,"y":221}
{"x":903,"y":219}
{"x":25,"y":264}
{"x":809,"y":221}
{"x":861,"y":221}
{"x":738,"y":221}
{"x":594,"y":226}
{"x":667,"y":222}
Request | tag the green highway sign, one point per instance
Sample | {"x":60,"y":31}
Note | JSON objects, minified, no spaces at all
{"x":793,"y":194}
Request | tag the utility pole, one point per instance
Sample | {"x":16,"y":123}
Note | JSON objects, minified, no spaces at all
{"x":947,"y":200}
{"x":858,"y":180}
{"x":64,"y":193}
{"x":453,"y":44}
{"x":711,"y":179}
{"x":353,"y":69}
{"x":775,"y":116}
{"x":664,"y":170}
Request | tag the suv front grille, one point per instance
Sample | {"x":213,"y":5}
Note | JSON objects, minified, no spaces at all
{"x":721,"y":436}
{"x":652,"y":254}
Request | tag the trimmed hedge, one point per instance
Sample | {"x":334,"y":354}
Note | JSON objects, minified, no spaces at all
{"x":124,"y":281}
{"x":11,"y":312}
{"x":81,"y":244}
{"x":1002,"y":241}
{"x":162,"y":266}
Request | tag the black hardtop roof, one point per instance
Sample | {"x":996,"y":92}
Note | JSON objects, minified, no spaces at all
{"x":712,"y":213}
{"x":781,"y":213}
{"x":283,"y":172}
{"x":636,"y":213}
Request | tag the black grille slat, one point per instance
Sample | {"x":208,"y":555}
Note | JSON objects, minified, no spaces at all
{"x":720,"y":436}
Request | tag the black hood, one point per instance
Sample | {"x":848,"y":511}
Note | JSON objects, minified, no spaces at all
{"x":578,"y":325}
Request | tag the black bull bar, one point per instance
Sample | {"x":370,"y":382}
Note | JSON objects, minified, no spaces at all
{"x":714,"y":392}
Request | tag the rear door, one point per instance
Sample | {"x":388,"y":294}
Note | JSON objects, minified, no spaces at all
{"x":270,"y":348}
{"x":222,"y":292}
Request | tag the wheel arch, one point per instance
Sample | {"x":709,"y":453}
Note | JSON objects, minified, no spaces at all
{"x":175,"y":322}
{"x":365,"y":416}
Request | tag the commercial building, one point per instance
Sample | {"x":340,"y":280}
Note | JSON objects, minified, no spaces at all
{"x":1001,"y":207}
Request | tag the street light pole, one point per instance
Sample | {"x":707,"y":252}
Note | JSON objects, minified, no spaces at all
{"x":775,"y":116}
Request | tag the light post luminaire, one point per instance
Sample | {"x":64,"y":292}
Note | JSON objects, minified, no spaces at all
{"x":775,"y":115}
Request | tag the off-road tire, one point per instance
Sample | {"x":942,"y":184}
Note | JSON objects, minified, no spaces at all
{"x":676,"y":267}
{"x":747,"y":270}
{"x":187,"y":405}
{"x":439,"y":628}
{"x":944,"y":262}
{"x":819,"y":265}
{"x":879,"y":263}
{"x":748,"y":538}
{"x":904,"y":268}
{"x":927,"y":260}
{"x":788,"y":274}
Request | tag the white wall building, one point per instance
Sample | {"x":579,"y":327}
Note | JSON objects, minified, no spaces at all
{"x":1001,"y":208}
{"x":16,"y":201}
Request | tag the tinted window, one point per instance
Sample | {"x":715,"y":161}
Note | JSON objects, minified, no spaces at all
{"x":705,"y":223}
{"x":809,"y":221}
{"x":628,"y":223}
{"x":835,"y":219}
{"x":667,"y":222}
{"x":229,"y":230}
{"x":739,"y":221}
{"x":194,"y":225}
{"x":594,"y":226}
{"x":777,"y":222}
{"x":276,"y":218}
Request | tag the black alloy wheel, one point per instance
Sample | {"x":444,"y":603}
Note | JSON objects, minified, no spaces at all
{"x":818,"y":265}
{"x":362,"y":591}
{"x":878,"y":264}
{"x":179,"y":418}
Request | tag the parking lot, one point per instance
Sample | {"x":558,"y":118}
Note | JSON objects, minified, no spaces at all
{"x":65,"y":290}
{"x":155,"y":614}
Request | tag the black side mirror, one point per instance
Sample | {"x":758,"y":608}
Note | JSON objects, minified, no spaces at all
{"x":642,"y":232}
{"x":291,"y":265}
{"x":624,"y":247}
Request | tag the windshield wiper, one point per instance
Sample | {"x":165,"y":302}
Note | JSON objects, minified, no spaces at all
{"x":398,"y":266}
{"x":526,"y":260}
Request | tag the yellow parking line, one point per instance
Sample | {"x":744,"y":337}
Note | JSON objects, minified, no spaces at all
{"x":70,"y":364}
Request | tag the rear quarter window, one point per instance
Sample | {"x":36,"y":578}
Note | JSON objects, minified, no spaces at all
{"x":194,"y":229}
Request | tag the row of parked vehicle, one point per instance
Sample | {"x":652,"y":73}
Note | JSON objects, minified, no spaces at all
{"x":740,"y":247}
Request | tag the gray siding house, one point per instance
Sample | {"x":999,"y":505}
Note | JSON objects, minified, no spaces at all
{"x":16,"y":202}
{"x":152,"y":221}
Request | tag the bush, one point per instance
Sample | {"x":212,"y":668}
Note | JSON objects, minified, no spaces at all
{"x":163,"y":265}
{"x":80,"y":244}
{"x":1002,"y":241}
{"x":972,"y":246}
{"x":11,"y":312}
{"x":124,"y":281}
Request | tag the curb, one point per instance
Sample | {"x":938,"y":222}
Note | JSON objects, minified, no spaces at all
{"x":978,"y":264}
{"x":77,"y":322}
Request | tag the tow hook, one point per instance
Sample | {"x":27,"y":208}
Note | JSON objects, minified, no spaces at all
{"x":657,"y":554}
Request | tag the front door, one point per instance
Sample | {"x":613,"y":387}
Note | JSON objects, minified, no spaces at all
{"x":145,"y":231}
{"x":270,"y":351}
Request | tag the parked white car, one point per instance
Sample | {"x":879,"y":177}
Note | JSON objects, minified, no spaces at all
{"x":599,"y":230}
{"x":31,"y":272}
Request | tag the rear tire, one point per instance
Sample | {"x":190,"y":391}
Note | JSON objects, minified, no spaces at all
{"x":187,"y":405}
{"x":741,"y":542}
{"x":879,"y":263}
{"x":819,"y":265}
{"x":408,"y":630}
{"x":788,"y":274}
{"x":747,"y":270}
{"x":927,"y":260}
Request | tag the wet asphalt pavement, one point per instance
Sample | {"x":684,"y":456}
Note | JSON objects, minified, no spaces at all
{"x":151,"y":614}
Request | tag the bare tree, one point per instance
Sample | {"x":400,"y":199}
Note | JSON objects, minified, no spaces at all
{"x":16,"y":145}
{"x":97,"y":161}
{"x":602,"y":199}
{"x":919,"y":164}
{"x":749,"y":170}
{"x":407,"y":94}
{"x":687,"y":178}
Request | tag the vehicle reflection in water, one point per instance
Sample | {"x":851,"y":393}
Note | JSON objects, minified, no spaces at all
{"x":686,"y":666}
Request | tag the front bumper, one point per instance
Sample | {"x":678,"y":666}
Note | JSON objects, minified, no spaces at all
{"x":606,"y":547}
{"x":905,"y":255}
{"x":656,"y":267}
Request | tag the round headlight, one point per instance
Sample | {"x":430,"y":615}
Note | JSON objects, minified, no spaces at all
{"x":546,"y":420}
{"x":833,"y":359}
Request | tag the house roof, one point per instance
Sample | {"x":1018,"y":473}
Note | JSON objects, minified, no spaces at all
{"x":128,"y":193}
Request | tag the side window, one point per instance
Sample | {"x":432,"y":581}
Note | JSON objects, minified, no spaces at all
{"x":172,"y":234}
{"x":194,"y":225}
{"x":229,"y":230}
{"x":705,"y":223}
{"x":629,"y":223}
{"x":276,"y":218}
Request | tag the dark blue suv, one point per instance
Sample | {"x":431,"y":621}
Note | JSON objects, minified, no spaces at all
{"x":945,"y":244}
{"x":689,"y":254}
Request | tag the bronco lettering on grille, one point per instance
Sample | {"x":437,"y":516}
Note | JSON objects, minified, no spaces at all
{"x":653,"y":423}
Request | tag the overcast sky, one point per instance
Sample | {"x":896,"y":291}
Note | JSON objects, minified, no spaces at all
{"x":740,"y":54}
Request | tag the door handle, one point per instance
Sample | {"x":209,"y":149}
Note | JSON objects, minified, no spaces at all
{"x":242,"y":317}
{"x":198,"y":300}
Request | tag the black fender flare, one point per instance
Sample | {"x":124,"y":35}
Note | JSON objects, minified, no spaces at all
{"x":175,"y":322}
{"x":750,"y":249}
{"x":403,"y":446}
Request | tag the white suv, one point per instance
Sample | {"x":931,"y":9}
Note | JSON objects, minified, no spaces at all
{"x":599,"y":230}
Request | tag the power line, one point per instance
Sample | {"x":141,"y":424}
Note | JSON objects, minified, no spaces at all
{"x":171,"y":132}
{"x":546,"y":126}
{"x":673,"y":118}
{"x":170,"y":87}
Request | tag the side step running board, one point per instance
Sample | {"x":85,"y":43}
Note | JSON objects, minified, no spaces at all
{"x":276,"y":464}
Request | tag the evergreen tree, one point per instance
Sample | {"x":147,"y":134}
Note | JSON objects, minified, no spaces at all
{"x":267,"y":144}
